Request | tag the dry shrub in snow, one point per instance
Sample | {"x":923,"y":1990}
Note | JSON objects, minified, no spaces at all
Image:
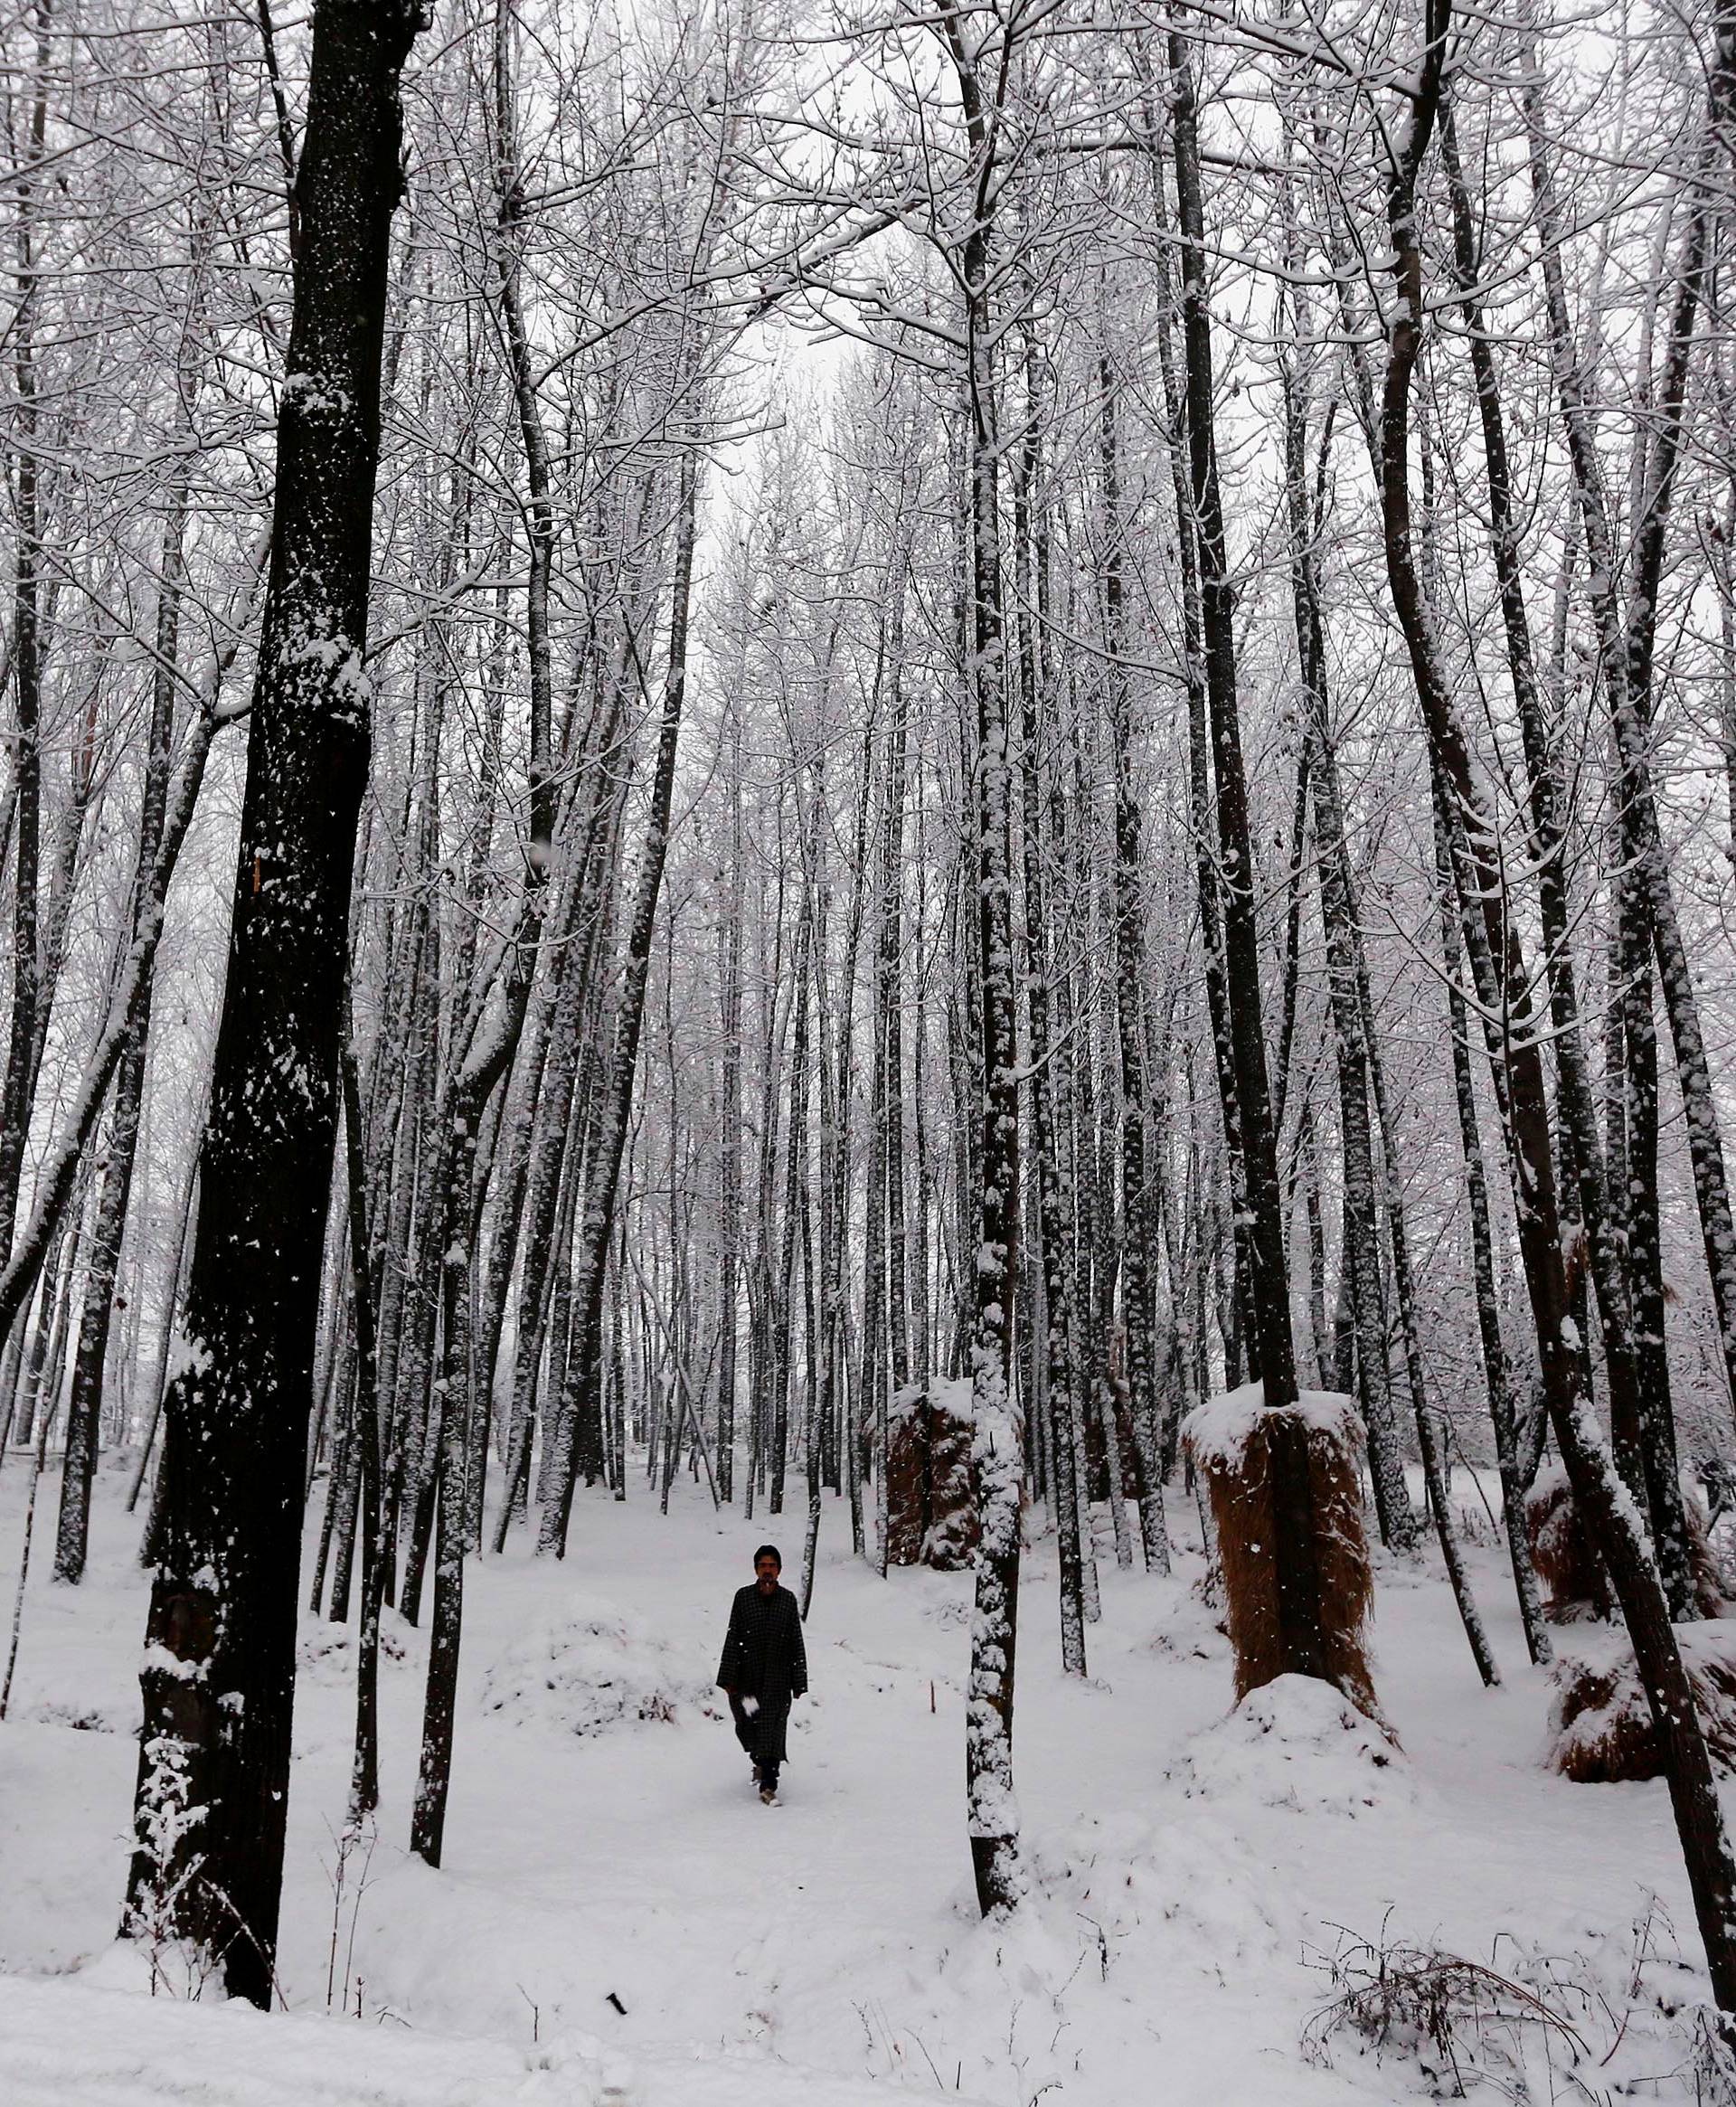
{"x":1229,"y":1441}
{"x":1296,"y":1742}
{"x":325,"y":1655}
{"x":1711,"y":1588}
{"x":589,"y":1672}
{"x":1601,"y":1725}
{"x":1616,"y":2022}
{"x":83,"y":1718}
{"x":1463,"y":2023}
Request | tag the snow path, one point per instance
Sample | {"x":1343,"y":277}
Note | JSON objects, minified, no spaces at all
{"x":824,"y":1951}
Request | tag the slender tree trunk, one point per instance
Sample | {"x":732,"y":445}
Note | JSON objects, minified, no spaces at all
{"x":1496,"y":1373}
{"x":18,"y":1085}
{"x":1138,"y":1197}
{"x":1059,"y":1360}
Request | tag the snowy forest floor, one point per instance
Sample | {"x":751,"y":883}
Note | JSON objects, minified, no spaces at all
{"x":1192,"y":1875}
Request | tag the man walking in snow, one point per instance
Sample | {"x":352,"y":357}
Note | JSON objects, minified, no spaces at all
{"x":764,"y":1667}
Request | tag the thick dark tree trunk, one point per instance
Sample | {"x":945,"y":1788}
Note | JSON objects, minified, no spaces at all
{"x":218,"y":1675}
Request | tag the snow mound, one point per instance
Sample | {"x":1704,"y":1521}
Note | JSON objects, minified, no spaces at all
{"x":1300,"y":1743}
{"x":587,"y":1672}
{"x":1164,"y":1894}
{"x":326,"y":1655}
{"x":95,"y":1716}
{"x":67,"y":2043}
{"x":1188,"y":1627}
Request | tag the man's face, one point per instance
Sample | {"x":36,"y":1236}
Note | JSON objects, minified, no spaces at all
{"x":765,"y":1572}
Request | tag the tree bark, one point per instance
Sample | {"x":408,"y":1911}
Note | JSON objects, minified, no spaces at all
{"x":218,"y":1676}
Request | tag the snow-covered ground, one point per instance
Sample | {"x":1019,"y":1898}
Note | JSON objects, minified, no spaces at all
{"x":619,"y":1918}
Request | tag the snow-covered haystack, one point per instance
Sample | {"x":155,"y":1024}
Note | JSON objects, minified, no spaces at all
{"x":931,"y":1504}
{"x":907,"y":1474}
{"x":1601,"y":1725}
{"x":587,"y":1672}
{"x":1230,"y":1440}
{"x":951,"y":1538}
{"x":1296,"y":1742}
{"x":1575,"y":1586}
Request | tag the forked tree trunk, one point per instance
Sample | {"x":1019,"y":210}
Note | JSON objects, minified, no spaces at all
{"x":1602,"y":1210}
{"x":1496,"y":1372}
{"x":1338,"y":915}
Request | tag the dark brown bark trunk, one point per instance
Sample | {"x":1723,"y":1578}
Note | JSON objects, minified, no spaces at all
{"x":219,"y":1677}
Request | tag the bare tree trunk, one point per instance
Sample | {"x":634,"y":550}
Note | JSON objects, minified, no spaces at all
{"x":18,"y":1086}
{"x":1060,"y":1359}
{"x":1496,"y":1371}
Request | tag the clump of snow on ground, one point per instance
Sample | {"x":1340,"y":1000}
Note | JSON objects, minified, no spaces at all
{"x":1185,"y":1893}
{"x":591,"y":1671}
{"x":1298,"y":1743}
{"x":1185,"y":1623}
{"x":326,"y":1655}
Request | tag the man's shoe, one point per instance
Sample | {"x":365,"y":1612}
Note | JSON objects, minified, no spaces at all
{"x":767,"y":1796}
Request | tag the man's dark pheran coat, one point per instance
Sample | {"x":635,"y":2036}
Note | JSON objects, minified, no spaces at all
{"x":764,"y":1658}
